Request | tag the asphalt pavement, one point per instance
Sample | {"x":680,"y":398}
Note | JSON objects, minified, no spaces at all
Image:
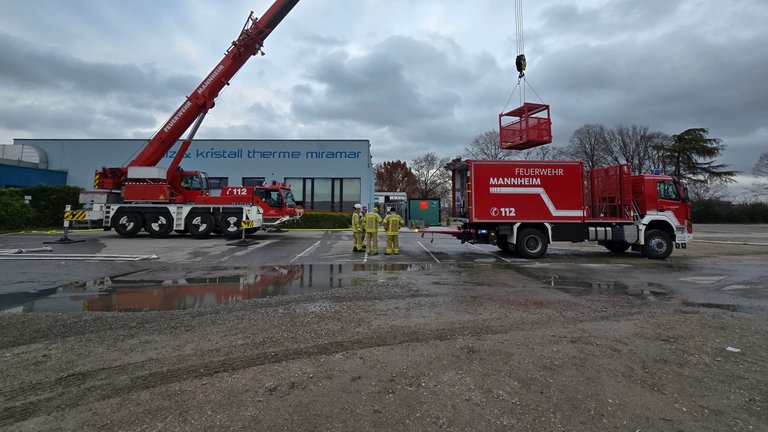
{"x":723,"y":267}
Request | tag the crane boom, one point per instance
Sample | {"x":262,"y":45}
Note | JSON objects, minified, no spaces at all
{"x":247,"y":44}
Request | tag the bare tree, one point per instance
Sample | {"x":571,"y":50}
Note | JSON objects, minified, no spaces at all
{"x":432,"y":180}
{"x":634,"y":145}
{"x":759,"y":190}
{"x":590,"y":144}
{"x":761,"y":166}
{"x":486,"y":146}
{"x":543,"y":152}
{"x":698,"y":191}
{"x":656,"y":159}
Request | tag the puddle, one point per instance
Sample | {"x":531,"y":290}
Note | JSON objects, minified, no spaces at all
{"x":723,"y":306}
{"x":577,"y":287}
{"x":131,"y":293}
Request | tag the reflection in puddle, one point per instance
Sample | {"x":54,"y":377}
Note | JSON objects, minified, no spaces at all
{"x":728,"y":307}
{"x":607,"y":288}
{"x":129,"y":293}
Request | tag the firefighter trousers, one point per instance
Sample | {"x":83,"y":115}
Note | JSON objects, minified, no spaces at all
{"x":392,"y":244}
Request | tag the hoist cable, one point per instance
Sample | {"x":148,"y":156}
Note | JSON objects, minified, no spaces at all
{"x":510,"y":97}
{"x":534,"y":91}
{"x":519,"y":36}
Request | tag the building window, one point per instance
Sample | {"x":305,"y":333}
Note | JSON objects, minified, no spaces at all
{"x":329,"y":194}
{"x":218,"y":182}
{"x":253,"y":181}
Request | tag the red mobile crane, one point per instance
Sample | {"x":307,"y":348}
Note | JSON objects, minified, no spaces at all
{"x":161,"y":200}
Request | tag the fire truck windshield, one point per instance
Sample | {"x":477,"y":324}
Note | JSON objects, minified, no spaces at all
{"x":290,"y":202}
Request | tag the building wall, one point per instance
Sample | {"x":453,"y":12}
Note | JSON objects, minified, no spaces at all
{"x":312,"y":164}
{"x":20,"y":176}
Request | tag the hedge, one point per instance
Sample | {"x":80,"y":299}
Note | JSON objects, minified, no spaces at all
{"x":45,"y":208}
{"x":717,"y":211}
{"x":323,"y":220}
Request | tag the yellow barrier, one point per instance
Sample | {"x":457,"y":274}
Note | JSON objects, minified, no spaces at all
{"x":74,"y":215}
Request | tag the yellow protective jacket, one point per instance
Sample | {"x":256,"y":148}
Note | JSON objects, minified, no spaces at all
{"x":392,"y":223}
{"x":372,"y":221}
{"x":357,"y":224}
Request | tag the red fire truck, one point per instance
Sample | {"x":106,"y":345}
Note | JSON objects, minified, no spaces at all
{"x":161,"y":200}
{"x":522,"y":206}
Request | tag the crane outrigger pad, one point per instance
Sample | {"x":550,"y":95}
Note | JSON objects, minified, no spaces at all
{"x":527,"y":129}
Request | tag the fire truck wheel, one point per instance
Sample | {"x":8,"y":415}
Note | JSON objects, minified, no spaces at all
{"x":616,"y":247}
{"x":658,"y":244}
{"x":230,"y":226}
{"x":158,"y":224}
{"x":200,"y":225}
{"x":127,"y":224}
{"x":531,"y":243}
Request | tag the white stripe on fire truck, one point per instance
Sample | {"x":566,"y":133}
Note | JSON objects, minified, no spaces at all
{"x":541,"y":192}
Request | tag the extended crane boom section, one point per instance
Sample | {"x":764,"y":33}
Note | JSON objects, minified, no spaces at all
{"x":248,"y":43}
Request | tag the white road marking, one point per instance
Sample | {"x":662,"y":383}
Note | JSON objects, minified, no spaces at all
{"x":247,"y":249}
{"x":496,"y":255}
{"x":703,"y":279}
{"x":77,"y":257}
{"x":306,"y":251}
{"x":427,"y":251}
{"x":732,"y":242}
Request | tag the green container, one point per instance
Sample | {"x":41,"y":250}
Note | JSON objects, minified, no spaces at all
{"x":426,"y":210}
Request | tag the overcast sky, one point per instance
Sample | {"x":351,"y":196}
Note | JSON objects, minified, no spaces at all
{"x":411,"y":76}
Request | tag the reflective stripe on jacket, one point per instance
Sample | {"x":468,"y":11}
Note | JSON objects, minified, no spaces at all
{"x":392,"y":223}
{"x":372,"y":221}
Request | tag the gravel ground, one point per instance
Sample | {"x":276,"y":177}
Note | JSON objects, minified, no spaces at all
{"x":459,"y":348}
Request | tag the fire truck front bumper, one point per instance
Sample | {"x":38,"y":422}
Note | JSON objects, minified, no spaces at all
{"x":682,"y":238}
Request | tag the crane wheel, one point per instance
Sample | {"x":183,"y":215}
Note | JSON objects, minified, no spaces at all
{"x":158,"y":224}
{"x":200,"y":225}
{"x":230,"y":225}
{"x":127,"y":224}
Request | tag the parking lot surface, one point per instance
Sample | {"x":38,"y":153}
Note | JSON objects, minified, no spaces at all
{"x":294,"y":331}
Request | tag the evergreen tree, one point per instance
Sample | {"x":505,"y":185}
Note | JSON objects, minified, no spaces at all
{"x":690,"y":156}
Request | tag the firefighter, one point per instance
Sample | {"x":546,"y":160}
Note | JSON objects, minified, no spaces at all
{"x":357,"y":230}
{"x":392,"y":224}
{"x":372,"y":221}
{"x":362,"y":222}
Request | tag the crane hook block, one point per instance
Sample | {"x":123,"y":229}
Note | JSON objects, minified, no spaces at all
{"x":520,"y":64}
